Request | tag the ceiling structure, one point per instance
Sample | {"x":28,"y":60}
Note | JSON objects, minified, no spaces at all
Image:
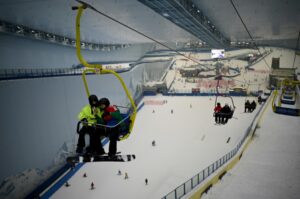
{"x":56,"y":16}
{"x":270,"y":22}
{"x":186,"y":15}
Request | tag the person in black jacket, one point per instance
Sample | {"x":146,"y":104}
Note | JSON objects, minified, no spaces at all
{"x":225,"y":113}
{"x":259,"y":99}
{"x":247,"y":106}
{"x":252,"y":106}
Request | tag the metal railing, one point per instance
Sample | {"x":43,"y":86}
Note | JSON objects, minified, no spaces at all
{"x":28,"y":73}
{"x":187,"y":186}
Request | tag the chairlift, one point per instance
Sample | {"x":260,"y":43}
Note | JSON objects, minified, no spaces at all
{"x":128,"y":117}
{"x":228,"y":115}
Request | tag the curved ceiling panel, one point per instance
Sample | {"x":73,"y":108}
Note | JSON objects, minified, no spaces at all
{"x":267,"y":20}
{"x":56,"y":16}
{"x":271,"y":22}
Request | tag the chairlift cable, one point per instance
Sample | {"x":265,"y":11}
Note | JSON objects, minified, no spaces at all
{"x":217,"y":94}
{"x":97,"y":68}
{"x":237,"y":12}
{"x":296,"y":49}
{"x":135,"y":30}
{"x":217,"y":90}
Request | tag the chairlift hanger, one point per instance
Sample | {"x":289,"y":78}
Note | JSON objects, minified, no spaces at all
{"x":98,"y":69}
{"x":217,"y":94}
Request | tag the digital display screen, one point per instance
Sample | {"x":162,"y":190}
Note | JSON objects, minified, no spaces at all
{"x":217,"y":53}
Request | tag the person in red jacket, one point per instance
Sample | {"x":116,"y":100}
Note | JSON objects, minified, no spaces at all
{"x":217,"y":111}
{"x":111,"y":115}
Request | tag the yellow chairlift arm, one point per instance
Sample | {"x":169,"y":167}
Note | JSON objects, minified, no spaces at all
{"x":78,"y":43}
{"x":98,"y":69}
{"x":275,"y":93}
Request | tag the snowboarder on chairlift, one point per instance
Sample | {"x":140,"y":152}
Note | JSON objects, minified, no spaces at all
{"x":89,"y":116}
{"x":225,"y":113}
{"x":217,"y":114}
{"x":110,"y":113}
{"x":247,"y":106}
{"x":252,"y":106}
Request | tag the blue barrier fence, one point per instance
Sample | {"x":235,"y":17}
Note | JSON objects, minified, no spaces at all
{"x":287,"y":111}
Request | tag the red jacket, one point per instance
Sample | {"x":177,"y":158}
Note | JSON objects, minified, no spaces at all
{"x":107,"y":113}
{"x":218,"y":109}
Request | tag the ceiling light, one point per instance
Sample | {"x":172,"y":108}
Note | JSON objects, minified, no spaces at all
{"x":41,"y":35}
{"x":37,"y":35}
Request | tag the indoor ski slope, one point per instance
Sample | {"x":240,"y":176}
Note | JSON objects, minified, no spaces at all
{"x":187,"y":141}
{"x":269,"y":167}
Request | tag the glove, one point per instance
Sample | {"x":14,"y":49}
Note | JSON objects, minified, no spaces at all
{"x":81,"y":126}
{"x":84,"y":121}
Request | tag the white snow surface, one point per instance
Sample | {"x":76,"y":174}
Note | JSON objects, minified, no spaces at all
{"x":187,"y":141}
{"x":269,"y":168}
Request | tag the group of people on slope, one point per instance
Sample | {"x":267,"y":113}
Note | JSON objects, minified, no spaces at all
{"x":249,"y":107}
{"x":93,"y":117}
{"x":222,"y":114}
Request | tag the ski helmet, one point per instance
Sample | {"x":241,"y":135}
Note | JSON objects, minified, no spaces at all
{"x":93,"y":100}
{"x":104,"y":101}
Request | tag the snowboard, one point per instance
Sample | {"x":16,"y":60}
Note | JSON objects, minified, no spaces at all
{"x":100,"y":158}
